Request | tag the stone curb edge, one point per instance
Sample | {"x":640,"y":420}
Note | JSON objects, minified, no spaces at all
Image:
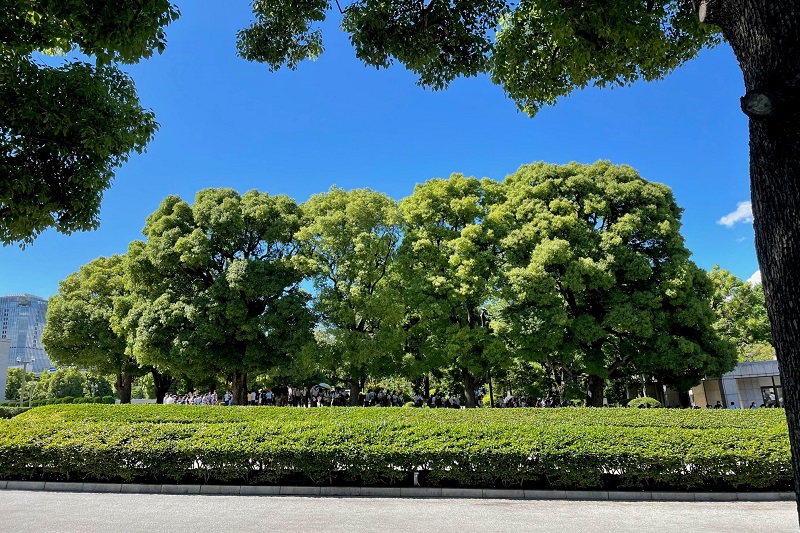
{"x":397,"y":492}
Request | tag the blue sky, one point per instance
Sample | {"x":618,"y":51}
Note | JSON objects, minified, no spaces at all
{"x":229,"y":123}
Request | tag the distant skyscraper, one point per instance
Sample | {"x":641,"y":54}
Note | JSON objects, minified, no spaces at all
{"x":22,"y":318}
{"x":5,"y":346}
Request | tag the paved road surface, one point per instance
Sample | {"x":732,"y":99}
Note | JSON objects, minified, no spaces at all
{"x":46,"y":512}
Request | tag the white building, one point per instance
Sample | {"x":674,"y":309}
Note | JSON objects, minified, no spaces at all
{"x":748,"y":383}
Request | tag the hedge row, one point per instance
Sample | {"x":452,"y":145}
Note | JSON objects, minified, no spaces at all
{"x":11,"y":412}
{"x":531,"y":448}
{"x":65,"y":399}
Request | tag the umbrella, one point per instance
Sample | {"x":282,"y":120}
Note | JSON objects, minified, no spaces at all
{"x":324,"y":386}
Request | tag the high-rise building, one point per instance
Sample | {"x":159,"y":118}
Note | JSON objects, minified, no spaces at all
{"x":5,"y":346}
{"x":22,"y":318}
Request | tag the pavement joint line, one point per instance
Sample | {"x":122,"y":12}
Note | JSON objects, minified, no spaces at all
{"x":396,"y":492}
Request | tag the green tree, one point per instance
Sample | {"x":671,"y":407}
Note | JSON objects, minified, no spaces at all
{"x":79,"y":329}
{"x":757,"y":351}
{"x":43,"y":388}
{"x":97,"y":385}
{"x":741,"y":315}
{"x":540,"y":50}
{"x":349,"y":242}
{"x":64,"y":129}
{"x":216,"y":290}
{"x":14,"y":383}
{"x":598,"y":281}
{"x":63,"y":382}
{"x":448,"y":267}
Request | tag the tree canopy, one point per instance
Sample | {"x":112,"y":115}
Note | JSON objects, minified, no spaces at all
{"x":741,"y":315}
{"x":64,"y":129}
{"x":80,"y":323}
{"x":537,"y":50}
{"x":449,"y":266}
{"x":576,"y":270}
{"x":216,"y":289}
{"x":349,"y":243}
{"x":597,"y":272}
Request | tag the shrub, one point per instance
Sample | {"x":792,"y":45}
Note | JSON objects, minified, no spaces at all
{"x":108,"y":400}
{"x":10,"y":412}
{"x":644,"y":402}
{"x":558,"y":448}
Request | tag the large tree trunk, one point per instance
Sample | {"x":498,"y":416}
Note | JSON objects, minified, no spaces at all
{"x":124,"y":385}
{"x":594,"y":391}
{"x":469,"y":387}
{"x":162,"y":382}
{"x":239,"y":388}
{"x":765,"y":36}
{"x":684,"y":399}
{"x":355,"y":390}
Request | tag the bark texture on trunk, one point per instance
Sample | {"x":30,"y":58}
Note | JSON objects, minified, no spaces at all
{"x":162,"y":382}
{"x":594,"y":391}
{"x":355,"y":390}
{"x":765,"y":36}
{"x":123,"y":385}
{"x":239,"y":388}
{"x":469,"y":387}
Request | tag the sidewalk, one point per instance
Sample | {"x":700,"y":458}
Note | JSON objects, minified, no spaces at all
{"x":66,"y":512}
{"x":398,"y":492}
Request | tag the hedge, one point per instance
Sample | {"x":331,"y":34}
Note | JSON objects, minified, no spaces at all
{"x":644,"y":402}
{"x":11,"y":412}
{"x":531,"y":448}
{"x":66,"y":399}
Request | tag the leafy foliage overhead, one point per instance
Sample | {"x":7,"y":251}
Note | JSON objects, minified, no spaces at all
{"x":111,"y":30}
{"x":538,"y":50}
{"x":66,"y":128}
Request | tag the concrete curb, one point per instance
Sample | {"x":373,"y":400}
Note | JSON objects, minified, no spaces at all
{"x":399,"y":492}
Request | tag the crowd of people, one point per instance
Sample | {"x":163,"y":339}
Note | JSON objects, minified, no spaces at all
{"x":323,"y":395}
{"x":191,"y":398}
{"x":320,"y":395}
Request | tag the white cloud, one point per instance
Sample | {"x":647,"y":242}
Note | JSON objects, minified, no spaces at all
{"x":743,"y":213}
{"x":755,"y":279}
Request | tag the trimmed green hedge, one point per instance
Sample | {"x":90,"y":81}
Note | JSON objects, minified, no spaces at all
{"x":531,"y":448}
{"x":66,"y":399}
{"x":11,"y":412}
{"x":644,"y":402}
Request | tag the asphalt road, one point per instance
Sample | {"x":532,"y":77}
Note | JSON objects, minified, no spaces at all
{"x":46,"y":512}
